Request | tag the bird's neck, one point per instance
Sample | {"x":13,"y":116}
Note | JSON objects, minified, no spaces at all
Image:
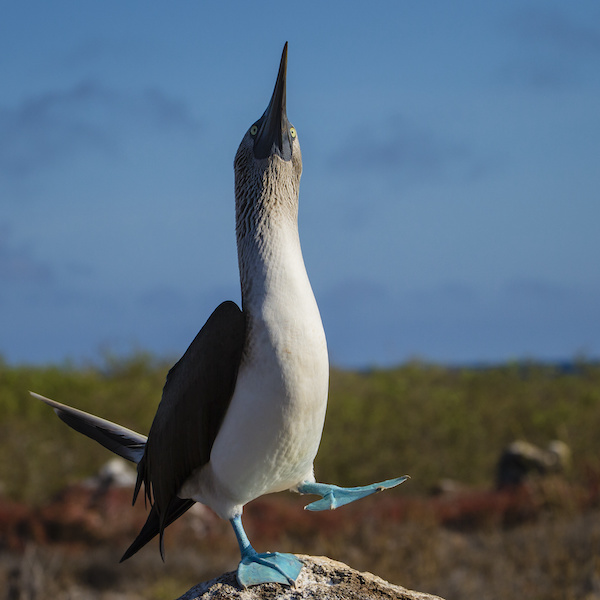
{"x":283,"y":322}
{"x":269,"y":255}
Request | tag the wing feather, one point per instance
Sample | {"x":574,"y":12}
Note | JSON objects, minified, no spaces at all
{"x":151,"y":527}
{"x":195,"y":399}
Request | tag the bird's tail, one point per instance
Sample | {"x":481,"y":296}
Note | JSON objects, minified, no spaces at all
{"x":117,"y":439}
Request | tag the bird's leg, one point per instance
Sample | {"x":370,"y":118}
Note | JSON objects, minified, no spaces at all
{"x":334,"y":496}
{"x":255,"y":568}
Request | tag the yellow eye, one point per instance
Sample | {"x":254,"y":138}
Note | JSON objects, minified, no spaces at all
{"x":293,"y":132}
{"x":253,"y":130}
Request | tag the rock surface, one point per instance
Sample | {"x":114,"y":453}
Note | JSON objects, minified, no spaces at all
{"x":320,"y":578}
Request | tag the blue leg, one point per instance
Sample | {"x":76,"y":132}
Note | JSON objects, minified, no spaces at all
{"x":255,"y":568}
{"x":334,"y":496}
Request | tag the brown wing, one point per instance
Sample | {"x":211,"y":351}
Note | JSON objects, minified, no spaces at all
{"x":194,"y":402}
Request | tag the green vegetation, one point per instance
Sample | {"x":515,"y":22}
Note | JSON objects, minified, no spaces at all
{"x":434,"y":422}
{"x":427,"y":421}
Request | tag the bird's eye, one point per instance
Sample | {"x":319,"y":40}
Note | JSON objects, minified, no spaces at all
{"x":293,"y":132}
{"x":253,"y":130}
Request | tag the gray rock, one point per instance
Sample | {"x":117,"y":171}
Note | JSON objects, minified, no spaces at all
{"x":521,"y":460}
{"x":320,"y":578}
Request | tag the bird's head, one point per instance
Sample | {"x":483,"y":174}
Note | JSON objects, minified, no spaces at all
{"x":268,"y":163}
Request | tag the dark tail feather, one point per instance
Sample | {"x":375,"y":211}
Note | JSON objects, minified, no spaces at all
{"x":117,"y":439}
{"x":152,"y":527}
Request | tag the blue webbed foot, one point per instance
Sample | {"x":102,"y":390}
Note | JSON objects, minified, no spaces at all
{"x":275,"y":567}
{"x":255,"y":568}
{"x":334,"y":496}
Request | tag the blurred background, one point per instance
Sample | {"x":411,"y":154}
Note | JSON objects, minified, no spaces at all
{"x":449,"y":221}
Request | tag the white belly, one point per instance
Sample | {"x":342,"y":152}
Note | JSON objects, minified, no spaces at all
{"x":273,"y":427}
{"x":271,"y":433}
{"x":272,"y":430}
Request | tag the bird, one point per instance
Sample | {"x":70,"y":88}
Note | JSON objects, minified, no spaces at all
{"x":242,"y":412}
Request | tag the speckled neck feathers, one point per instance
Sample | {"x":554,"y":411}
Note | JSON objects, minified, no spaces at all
{"x":266,"y":193}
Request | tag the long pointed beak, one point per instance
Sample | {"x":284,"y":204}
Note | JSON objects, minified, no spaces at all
{"x":273,"y":135}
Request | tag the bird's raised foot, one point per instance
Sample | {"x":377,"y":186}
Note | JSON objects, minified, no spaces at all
{"x":268,"y":567}
{"x":334,"y":496}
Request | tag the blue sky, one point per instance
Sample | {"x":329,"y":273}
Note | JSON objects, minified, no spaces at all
{"x":449,"y":206}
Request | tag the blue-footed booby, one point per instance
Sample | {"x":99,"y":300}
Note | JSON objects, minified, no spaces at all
{"x":242,"y":411}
